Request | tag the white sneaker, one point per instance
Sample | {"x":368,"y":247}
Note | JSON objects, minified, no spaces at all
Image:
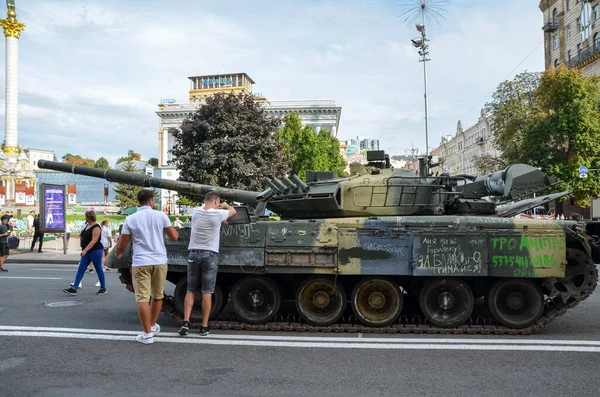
{"x":146,"y":340}
{"x":97,"y":284}
{"x":155,"y":330}
{"x":80,"y":285}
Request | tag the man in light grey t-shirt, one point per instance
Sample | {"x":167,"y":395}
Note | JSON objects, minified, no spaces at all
{"x":203,"y":259}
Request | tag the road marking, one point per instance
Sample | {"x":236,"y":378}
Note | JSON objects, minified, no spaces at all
{"x":33,"y":278}
{"x":348,"y":339}
{"x":315,"y":342}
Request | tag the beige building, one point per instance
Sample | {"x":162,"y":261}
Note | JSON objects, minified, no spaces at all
{"x":319,"y":114}
{"x":572,"y":34}
{"x":458,"y":153}
{"x":38,"y":154}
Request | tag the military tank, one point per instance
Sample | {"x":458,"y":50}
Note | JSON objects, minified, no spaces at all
{"x":384,"y":250}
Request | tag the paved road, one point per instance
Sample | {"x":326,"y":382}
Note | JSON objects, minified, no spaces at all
{"x":87,"y":349}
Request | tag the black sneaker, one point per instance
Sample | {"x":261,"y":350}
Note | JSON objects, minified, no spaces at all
{"x":90,"y":271}
{"x":70,"y":291}
{"x":185,"y":328}
{"x":204,"y":331}
{"x":101,"y":291}
{"x":3,"y":269}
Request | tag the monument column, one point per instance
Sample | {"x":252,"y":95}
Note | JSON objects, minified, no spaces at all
{"x":12,"y":32}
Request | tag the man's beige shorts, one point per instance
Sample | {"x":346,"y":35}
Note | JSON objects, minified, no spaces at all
{"x":149,"y":281}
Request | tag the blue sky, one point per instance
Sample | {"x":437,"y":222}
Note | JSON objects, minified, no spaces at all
{"x":91,"y":73}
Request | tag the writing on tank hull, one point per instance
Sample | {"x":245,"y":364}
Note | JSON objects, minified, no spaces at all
{"x":449,"y":254}
{"x":528,"y":255}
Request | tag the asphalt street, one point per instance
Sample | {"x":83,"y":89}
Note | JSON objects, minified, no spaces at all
{"x":52,"y":344}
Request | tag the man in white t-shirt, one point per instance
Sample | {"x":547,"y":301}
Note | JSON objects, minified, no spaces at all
{"x":149,"y":266}
{"x":203,"y":259}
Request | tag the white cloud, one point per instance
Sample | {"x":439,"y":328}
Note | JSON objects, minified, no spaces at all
{"x":92,"y":72}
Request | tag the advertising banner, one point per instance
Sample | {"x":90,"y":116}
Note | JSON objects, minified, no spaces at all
{"x":72,"y":197}
{"x":20,"y":192}
{"x":30,"y":195}
{"x":52,"y":208}
{"x":2,"y":199}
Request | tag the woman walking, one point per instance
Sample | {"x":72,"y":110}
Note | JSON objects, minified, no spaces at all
{"x":91,"y":251}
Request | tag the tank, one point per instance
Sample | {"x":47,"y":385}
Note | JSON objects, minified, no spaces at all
{"x":384,"y":250}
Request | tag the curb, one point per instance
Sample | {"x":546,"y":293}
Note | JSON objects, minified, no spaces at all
{"x":53,"y":261}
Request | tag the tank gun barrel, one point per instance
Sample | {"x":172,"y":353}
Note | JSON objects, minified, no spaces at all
{"x":143,"y":180}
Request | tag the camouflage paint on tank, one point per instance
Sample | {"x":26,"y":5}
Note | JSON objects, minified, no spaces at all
{"x":417,"y":246}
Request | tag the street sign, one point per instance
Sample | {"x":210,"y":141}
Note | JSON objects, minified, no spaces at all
{"x":583,"y":175}
{"x":583,"y":169}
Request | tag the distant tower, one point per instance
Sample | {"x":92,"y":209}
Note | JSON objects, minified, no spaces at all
{"x":14,"y":165}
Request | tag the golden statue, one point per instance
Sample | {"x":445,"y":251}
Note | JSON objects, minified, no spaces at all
{"x":11,"y":26}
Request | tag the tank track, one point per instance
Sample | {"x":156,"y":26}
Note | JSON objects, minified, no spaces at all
{"x":482,"y":324}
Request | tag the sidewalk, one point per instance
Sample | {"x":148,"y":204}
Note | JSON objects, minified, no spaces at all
{"x":52,"y":252}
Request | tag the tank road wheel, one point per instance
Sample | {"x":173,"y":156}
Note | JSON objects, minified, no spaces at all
{"x":320,"y":300}
{"x":377,"y":302}
{"x":196,"y":316}
{"x":255,"y":300}
{"x":446,"y":302}
{"x":516,"y":303}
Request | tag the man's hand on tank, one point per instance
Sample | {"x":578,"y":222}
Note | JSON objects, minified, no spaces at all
{"x":224,"y":206}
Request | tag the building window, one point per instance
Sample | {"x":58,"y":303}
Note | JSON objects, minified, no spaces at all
{"x":579,"y":50}
{"x":578,"y":25}
{"x":596,"y":12}
{"x":555,"y":17}
{"x":555,"y":41}
{"x":569,"y":55}
{"x":556,"y":63}
{"x":596,"y":42}
{"x":567,"y":4}
{"x":568,"y":31}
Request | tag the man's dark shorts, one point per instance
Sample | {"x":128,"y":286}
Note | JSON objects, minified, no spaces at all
{"x":4,"y":249}
{"x":202,"y":271}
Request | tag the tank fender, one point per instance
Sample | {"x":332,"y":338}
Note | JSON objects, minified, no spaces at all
{"x":580,"y":241}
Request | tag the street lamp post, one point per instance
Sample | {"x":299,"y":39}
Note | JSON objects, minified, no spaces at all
{"x":421,"y":44}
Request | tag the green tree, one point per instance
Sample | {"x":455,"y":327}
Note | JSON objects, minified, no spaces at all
{"x":127,"y":194}
{"x":512,"y":108}
{"x":102,"y":163}
{"x":330,"y":152}
{"x":153,"y":161}
{"x":78,"y":160}
{"x":486,"y":164}
{"x":555,"y":127}
{"x":131,"y":155}
{"x":307,"y":150}
{"x":228,"y":142}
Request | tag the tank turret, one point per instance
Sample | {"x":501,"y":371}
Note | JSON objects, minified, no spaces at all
{"x":372,"y":190}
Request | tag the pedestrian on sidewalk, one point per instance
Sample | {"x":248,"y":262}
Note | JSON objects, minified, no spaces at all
{"x":203,"y":259}
{"x":149,"y":265}
{"x":37,"y":234}
{"x":91,"y":251}
{"x":106,"y":239}
{"x":4,"y":233}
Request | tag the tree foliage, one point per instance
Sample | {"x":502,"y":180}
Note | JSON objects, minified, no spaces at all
{"x":131,"y":155}
{"x":127,"y":194}
{"x":78,"y":160}
{"x":307,"y":150}
{"x":102,"y":163}
{"x":153,"y":161}
{"x":229,"y":142}
{"x":552,"y":123}
{"x":487,"y":163}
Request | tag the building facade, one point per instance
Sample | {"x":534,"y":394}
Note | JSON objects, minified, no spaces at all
{"x":38,"y":154}
{"x":572,"y":34}
{"x":458,"y":154}
{"x":320,"y":114}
